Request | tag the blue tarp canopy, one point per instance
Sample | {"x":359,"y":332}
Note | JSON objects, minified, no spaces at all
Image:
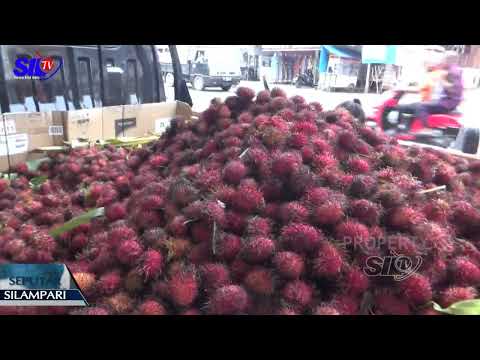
{"x":344,"y":53}
{"x":340,"y":52}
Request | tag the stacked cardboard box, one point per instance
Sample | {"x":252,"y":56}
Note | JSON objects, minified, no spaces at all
{"x":22,"y":133}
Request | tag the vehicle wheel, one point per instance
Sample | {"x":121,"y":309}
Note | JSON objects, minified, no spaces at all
{"x":471,"y":141}
{"x":169,"y":79}
{"x":226,"y":87}
{"x":351,"y":88}
{"x":198,"y":83}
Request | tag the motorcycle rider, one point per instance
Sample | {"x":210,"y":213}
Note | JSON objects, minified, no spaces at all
{"x":442,"y":92}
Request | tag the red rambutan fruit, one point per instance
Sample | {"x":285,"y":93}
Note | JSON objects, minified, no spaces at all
{"x":324,"y":161}
{"x":301,"y":237}
{"x":158,"y":160}
{"x":297,"y":293}
{"x":455,"y":294}
{"x":152,"y":202}
{"x":286,"y":163}
{"x":245,"y":93}
{"x":293,"y":212}
{"x":416,"y":289}
{"x":248,"y":199}
{"x":263,"y":97}
{"x":307,"y":154}
{"x":119,"y":234}
{"x":405,"y":218}
{"x":238,"y":269}
{"x":260,"y":281}
{"x":228,"y":300}
{"x":200,"y":253}
{"x":115,"y":211}
{"x":465,"y":272}
{"x":234,"y":171}
{"x":434,"y":237}
{"x":223,"y":111}
{"x":358,"y":166}
{"x":444,"y":174}
{"x":305,"y":127}
{"x":298,"y":140}
{"x":228,"y":247}
{"x":317,"y":196}
{"x":402,"y":245}
{"x":353,"y":234}
{"x":387,"y":303}
{"x":328,"y":261}
{"x":345,"y":304}
{"x":464,"y":214}
{"x":355,"y":281}
{"x":371,"y":136}
{"x":276,"y":91}
{"x":129,"y":252}
{"x":278,"y":103}
{"x":120,"y":303}
{"x":14,"y":247}
{"x":329,"y":213}
{"x":177,"y":226}
{"x":258,"y":249}
{"x":183,"y":288}
{"x":201,"y":232}
{"x":79,"y":241}
{"x":109,"y":283}
{"x":236,"y":222}
{"x":214,"y":276}
{"x":363,"y":186}
{"x":286,"y":114}
{"x":365,"y":211}
{"x":152,"y":264}
{"x":258,"y":226}
{"x":151,"y":307}
{"x":289,"y":265}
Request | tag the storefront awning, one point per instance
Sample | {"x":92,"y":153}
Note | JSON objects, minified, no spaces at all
{"x":342,"y":52}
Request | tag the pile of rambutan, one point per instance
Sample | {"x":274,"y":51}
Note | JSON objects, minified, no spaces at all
{"x":264,"y":205}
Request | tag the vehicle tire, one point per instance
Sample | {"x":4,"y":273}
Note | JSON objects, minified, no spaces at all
{"x":471,"y":141}
{"x":351,"y":88}
{"x":169,"y":79}
{"x":226,"y":87}
{"x":198,"y":83}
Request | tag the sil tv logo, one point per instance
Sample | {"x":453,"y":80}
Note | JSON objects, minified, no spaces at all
{"x":37,"y":67}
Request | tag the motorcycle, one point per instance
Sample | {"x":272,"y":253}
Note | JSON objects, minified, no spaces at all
{"x":306,"y":79}
{"x":442,"y":129}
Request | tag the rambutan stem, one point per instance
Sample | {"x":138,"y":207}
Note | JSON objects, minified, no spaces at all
{"x":243,"y":153}
{"x":438,"y":188}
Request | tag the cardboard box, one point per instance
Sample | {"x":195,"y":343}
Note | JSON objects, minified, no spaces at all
{"x":112,"y":122}
{"x":132,"y":124}
{"x":21,"y":133}
{"x":81,"y":124}
{"x":141,"y":120}
{"x":156,"y":117}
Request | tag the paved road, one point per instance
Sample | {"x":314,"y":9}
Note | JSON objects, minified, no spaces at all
{"x":201,"y":99}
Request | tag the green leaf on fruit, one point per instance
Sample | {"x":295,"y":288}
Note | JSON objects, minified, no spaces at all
{"x":37,"y":181}
{"x":465,"y":307}
{"x":77,"y":221}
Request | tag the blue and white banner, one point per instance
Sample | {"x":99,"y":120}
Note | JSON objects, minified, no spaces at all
{"x":38,"y":285}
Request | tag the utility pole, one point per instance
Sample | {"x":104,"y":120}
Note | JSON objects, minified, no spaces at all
{"x":367,"y":79}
